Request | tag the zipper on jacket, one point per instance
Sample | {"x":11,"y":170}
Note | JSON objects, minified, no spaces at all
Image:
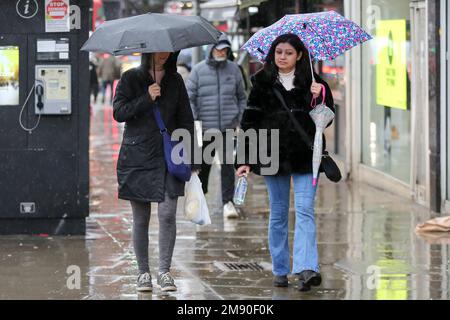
{"x":218,"y":100}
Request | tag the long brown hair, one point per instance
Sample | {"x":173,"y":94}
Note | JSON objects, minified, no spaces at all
{"x":303,"y":77}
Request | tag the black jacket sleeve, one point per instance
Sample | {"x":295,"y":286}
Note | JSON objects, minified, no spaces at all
{"x":126,"y":105}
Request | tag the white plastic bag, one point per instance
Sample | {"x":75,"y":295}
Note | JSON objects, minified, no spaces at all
{"x":195,"y":207}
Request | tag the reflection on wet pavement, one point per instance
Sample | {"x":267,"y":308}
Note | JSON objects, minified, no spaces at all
{"x":367,"y":245}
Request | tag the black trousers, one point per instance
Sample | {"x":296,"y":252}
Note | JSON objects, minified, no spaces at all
{"x":227,"y":173}
{"x":94,"y":89}
{"x":110,"y":84}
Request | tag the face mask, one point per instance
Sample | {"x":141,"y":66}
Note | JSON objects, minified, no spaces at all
{"x":220,"y":59}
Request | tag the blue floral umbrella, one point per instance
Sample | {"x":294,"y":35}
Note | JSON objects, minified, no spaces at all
{"x":326,"y":34}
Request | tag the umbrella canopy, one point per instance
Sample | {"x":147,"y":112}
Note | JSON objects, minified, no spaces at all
{"x":151,"y":32}
{"x":326,"y":35}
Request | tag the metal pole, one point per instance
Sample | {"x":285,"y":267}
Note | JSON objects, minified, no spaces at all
{"x":196,"y":52}
{"x":312,"y":69}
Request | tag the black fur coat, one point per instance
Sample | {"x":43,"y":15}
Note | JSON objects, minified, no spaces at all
{"x":264,"y":111}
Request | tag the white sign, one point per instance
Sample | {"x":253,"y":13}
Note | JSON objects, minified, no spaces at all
{"x":57,"y":16}
{"x":46,"y":46}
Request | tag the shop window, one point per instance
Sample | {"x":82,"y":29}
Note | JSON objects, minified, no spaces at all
{"x":386,"y":116}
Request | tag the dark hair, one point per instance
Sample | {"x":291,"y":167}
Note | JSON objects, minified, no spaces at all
{"x":170,"y":65}
{"x":303,"y":76}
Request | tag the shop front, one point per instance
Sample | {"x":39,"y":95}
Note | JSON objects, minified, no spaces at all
{"x":390,"y":98}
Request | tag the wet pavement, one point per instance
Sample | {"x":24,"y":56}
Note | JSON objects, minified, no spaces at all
{"x":362,"y":232}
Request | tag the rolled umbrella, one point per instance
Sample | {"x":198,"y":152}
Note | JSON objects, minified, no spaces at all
{"x":322,"y":116}
{"x":150,"y":33}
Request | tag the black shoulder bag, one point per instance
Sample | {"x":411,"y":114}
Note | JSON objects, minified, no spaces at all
{"x":328,"y":165}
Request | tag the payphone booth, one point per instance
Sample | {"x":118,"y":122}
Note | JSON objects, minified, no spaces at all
{"x":44,"y":117}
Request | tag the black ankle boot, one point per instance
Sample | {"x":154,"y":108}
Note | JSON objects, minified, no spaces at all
{"x":280,"y":281}
{"x":308,"y":279}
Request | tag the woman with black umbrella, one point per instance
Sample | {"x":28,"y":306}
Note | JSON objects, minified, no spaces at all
{"x":141,"y":170}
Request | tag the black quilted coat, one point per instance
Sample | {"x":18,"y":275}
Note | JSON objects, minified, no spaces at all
{"x":264,"y":111}
{"x":141,"y":168}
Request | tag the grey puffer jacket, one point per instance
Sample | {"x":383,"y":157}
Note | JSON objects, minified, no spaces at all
{"x":216,"y":93}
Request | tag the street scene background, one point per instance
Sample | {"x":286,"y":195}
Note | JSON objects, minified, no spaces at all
{"x":368,"y":247}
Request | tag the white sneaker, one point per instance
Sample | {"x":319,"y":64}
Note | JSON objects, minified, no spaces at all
{"x":229,"y":211}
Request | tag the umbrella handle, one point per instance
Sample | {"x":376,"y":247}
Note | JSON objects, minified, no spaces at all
{"x":314,"y":100}
{"x":312,"y":69}
{"x":154,"y":72}
{"x":153,"y":66}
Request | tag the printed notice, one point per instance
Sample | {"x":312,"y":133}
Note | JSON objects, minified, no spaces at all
{"x":57,"y":16}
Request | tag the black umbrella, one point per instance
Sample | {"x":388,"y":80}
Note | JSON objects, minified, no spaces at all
{"x":151,"y":32}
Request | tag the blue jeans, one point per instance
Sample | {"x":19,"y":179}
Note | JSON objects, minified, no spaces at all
{"x":305,"y":242}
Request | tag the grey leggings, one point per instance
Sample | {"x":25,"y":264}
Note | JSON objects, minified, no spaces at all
{"x":167,"y":232}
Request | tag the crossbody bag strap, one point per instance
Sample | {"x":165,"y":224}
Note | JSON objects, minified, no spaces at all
{"x":158,"y":117}
{"x":297,"y":125}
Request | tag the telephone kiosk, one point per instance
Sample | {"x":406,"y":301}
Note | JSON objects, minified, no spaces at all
{"x":44,"y":120}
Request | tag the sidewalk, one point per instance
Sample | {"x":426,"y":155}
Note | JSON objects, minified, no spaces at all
{"x":360,"y":230}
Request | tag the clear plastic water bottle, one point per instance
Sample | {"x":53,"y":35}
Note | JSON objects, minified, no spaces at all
{"x":241,"y":190}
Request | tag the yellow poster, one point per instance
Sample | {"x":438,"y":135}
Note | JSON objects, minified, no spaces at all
{"x":392,"y":82}
{"x":9,"y":76}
